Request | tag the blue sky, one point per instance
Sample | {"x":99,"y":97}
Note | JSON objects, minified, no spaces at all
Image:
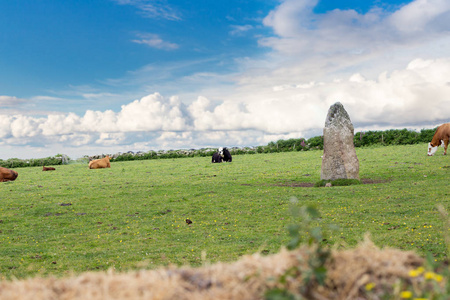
{"x":55,"y":46}
{"x":107,"y":76}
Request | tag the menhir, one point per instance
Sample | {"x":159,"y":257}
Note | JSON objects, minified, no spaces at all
{"x":339,"y":159}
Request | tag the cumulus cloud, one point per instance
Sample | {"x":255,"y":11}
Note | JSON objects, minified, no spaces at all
{"x":390,"y":69}
{"x":411,"y":96}
{"x":5,"y":126}
{"x":291,"y":18}
{"x":24,"y":126}
{"x":416,"y":94}
{"x":58,"y":124}
{"x":295,"y":23}
{"x":421,"y":16}
{"x":337,"y":41}
{"x":109,"y":139}
{"x":152,"y":113}
{"x":73,"y":140}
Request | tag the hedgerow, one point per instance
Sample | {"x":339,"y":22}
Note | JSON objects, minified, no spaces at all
{"x":58,"y":159}
{"x":361,"y":139}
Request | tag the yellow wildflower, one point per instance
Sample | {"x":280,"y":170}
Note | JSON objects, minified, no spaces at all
{"x":429,"y":275}
{"x":416,"y":272}
{"x":434,"y":276}
{"x":438,"y":277}
{"x":405,"y":295}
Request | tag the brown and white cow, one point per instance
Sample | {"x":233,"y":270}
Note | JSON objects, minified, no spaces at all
{"x":44,"y":168}
{"x":100,"y":163}
{"x":7,"y":174}
{"x":440,"y":138}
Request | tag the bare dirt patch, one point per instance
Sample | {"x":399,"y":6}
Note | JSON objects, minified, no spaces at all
{"x":311,"y":184}
{"x":374,"y":181}
{"x":296,"y":184}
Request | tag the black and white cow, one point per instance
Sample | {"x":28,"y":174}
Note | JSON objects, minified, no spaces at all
{"x":221,"y":155}
{"x":216,"y":158}
{"x":225,"y":154}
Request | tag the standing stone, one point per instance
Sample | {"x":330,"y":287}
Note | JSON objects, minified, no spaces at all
{"x":339,"y":159}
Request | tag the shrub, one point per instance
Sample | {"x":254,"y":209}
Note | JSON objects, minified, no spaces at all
{"x":21,"y":163}
{"x":306,"y":231}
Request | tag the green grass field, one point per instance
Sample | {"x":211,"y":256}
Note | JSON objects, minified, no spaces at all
{"x":133,"y":215}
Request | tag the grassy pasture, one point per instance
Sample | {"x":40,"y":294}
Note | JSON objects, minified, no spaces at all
{"x":133,"y":215}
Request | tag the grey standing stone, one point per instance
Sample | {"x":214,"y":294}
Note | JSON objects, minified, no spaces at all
{"x":339,"y":159}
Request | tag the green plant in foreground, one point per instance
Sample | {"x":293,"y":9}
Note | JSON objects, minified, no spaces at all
{"x":425,"y":282}
{"x":430,"y":281}
{"x":306,"y":231}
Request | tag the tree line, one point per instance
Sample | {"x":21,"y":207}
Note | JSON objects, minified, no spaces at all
{"x":361,"y":139}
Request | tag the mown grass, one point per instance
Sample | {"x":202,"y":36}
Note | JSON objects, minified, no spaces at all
{"x":133,"y":215}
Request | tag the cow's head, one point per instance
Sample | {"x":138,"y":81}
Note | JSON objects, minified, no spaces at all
{"x":220,"y":151}
{"x":432,"y":148}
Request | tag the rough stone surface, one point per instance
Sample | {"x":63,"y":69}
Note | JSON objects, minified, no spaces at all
{"x":339,"y":159}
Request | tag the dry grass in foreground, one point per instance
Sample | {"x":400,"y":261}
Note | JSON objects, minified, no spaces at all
{"x":365,"y":272}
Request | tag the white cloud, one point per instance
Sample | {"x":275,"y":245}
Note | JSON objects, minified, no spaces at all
{"x":175,"y":140}
{"x":24,"y":126}
{"x":309,"y":44}
{"x":48,"y":98}
{"x":417,"y":17}
{"x":417,"y":94}
{"x":58,"y":124}
{"x":97,"y":121}
{"x":291,"y":17}
{"x":153,"y":9}
{"x":109,"y":139}
{"x":389,"y":69}
{"x":72,"y":140}
{"x":154,"y":41}
{"x":240,"y":29}
{"x":8,"y":101}
{"x":98,"y":95}
{"x":5,"y":126}
{"x":152,"y":113}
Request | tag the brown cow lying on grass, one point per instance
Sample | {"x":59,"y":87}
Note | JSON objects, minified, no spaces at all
{"x":440,"y":138}
{"x":48,"y":168}
{"x":7,"y":174}
{"x":100,"y":163}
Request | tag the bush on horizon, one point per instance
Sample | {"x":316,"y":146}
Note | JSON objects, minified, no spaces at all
{"x":20,"y":163}
{"x":361,"y":139}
